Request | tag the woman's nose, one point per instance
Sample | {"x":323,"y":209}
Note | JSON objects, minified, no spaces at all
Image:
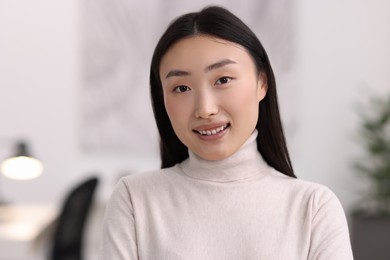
{"x":205,"y":105}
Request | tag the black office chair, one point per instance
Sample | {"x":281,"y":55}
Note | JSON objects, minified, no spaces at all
{"x":67,"y":241}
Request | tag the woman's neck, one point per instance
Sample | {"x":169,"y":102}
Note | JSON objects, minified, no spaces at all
{"x":243,"y":164}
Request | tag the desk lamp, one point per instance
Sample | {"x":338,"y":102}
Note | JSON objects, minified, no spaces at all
{"x":21,"y":166}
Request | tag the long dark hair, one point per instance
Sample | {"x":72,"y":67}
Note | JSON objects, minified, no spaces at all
{"x":219,"y":22}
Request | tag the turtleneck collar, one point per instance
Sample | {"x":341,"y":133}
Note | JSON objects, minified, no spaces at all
{"x":243,"y":164}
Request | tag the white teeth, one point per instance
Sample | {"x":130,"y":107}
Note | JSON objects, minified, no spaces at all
{"x":213,"y":131}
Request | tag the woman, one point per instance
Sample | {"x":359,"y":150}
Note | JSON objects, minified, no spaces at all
{"x":226,"y":189}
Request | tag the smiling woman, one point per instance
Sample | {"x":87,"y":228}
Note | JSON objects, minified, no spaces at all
{"x":206,"y":98}
{"x":227,"y":189}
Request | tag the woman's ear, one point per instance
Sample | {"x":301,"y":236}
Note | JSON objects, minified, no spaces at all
{"x":262,"y":87}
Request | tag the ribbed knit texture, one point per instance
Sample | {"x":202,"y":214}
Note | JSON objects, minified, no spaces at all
{"x":234,"y":209}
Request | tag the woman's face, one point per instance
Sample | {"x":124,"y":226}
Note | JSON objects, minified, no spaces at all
{"x":211,"y":94}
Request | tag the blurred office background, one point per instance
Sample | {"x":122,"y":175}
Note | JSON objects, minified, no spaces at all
{"x":74,"y":84}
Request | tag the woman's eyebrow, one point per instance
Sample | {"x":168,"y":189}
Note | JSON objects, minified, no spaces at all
{"x":177,"y":73}
{"x":217,"y":65}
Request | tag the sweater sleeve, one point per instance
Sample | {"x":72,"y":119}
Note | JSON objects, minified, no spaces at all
{"x":330,"y":236}
{"x":118,"y":240}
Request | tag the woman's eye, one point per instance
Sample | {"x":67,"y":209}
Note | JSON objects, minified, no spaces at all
{"x":181,"y":89}
{"x":223,"y":80}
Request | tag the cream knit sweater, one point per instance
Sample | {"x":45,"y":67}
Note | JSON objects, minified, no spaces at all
{"x":235,"y":209}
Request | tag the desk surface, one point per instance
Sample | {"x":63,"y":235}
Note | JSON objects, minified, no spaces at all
{"x":21,"y":228}
{"x":24,"y":222}
{"x":24,"y":229}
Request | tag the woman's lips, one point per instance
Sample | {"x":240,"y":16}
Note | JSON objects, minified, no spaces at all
{"x":208,"y":131}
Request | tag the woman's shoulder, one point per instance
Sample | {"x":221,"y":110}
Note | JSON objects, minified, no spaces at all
{"x":316,"y":192}
{"x":148,"y":179}
{"x":143,"y":176}
{"x":141,"y":184}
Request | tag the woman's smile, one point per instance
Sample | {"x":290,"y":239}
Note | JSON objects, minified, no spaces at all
{"x":210,"y":129}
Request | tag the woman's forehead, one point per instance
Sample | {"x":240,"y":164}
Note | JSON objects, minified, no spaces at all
{"x":201,"y":50}
{"x":202,"y":42}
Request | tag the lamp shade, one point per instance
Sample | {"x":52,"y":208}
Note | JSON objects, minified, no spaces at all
{"x":21,"y":166}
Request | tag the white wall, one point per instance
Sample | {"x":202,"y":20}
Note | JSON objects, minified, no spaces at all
{"x":342,"y":56}
{"x":39,"y":68}
{"x":343,"y":59}
{"x":40,"y":90}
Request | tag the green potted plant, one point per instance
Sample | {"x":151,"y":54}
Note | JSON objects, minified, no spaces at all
{"x":371,"y":220}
